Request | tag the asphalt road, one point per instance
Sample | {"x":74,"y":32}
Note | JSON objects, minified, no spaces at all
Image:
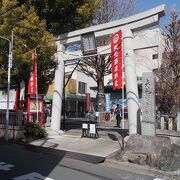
{"x":19,"y":162}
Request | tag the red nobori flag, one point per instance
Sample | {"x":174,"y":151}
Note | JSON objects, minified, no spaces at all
{"x":116,"y":59}
{"x":33,"y":75}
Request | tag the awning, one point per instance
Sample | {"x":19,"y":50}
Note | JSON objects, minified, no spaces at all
{"x":75,"y":97}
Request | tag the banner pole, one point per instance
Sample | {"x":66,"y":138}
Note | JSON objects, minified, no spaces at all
{"x":123,"y":123}
{"x":37,"y":106}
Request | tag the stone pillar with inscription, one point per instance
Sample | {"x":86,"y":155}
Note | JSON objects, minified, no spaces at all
{"x":148,"y":105}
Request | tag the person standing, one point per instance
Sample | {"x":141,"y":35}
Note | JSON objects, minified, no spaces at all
{"x":118,"y":113}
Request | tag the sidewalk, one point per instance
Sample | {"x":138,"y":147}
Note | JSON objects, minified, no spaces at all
{"x":103,"y":146}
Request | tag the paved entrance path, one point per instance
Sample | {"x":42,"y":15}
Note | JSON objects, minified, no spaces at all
{"x":102,"y":147}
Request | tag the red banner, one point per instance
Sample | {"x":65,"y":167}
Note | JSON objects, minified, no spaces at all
{"x":88,"y":102}
{"x":116,"y":59}
{"x":33,"y":75}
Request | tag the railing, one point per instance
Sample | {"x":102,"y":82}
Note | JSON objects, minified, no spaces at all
{"x":15,"y":118}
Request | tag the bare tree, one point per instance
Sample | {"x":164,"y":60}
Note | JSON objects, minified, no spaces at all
{"x":97,"y":68}
{"x":168,"y":85}
{"x":113,"y":10}
{"x":100,"y":66}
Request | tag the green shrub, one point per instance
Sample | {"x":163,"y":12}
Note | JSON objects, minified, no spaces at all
{"x":35,"y":131}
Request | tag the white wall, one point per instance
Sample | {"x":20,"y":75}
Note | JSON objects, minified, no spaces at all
{"x":144,"y":60}
{"x":153,"y":41}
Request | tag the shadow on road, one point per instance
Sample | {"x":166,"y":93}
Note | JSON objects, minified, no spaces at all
{"x":37,"y":161}
{"x":27,"y":160}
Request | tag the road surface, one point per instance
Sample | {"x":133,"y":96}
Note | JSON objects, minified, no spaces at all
{"x":20,"y":162}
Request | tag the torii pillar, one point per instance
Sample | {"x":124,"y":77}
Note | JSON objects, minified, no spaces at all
{"x":131,"y":80}
{"x":58,"y":89}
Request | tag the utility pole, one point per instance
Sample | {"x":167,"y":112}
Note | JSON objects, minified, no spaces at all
{"x":8,"y":85}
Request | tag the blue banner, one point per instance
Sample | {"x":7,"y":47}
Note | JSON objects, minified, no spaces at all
{"x":107,"y":102}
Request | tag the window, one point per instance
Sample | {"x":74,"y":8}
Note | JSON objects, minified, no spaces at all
{"x":82,"y":88}
{"x":155,"y":56}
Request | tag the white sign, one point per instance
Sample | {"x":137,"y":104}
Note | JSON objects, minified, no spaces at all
{"x":3,"y":99}
{"x":92,"y":128}
{"x":85,"y":126}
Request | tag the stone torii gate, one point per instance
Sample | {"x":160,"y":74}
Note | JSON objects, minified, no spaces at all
{"x":129,"y":26}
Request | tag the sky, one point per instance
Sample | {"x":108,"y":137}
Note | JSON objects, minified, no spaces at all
{"x":142,"y":5}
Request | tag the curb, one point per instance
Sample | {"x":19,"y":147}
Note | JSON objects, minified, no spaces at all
{"x":142,"y":169}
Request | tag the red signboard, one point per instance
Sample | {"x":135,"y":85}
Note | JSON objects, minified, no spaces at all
{"x":116,"y":59}
{"x":32,"y":108}
{"x":33,"y":75}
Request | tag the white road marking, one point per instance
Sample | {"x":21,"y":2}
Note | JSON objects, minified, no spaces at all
{"x":32,"y":176}
{"x":5,"y":167}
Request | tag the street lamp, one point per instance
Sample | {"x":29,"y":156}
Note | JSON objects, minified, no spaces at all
{"x":8,"y":86}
